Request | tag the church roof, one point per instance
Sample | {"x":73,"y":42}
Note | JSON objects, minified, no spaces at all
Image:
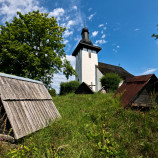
{"x":82,"y":45}
{"x":107,"y":68}
{"x":85,"y":42}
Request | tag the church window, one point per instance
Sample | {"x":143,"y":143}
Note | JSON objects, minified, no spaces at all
{"x":84,"y":49}
{"x":89,"y":51}
{"x":89,"y":55}
{"x":93,"y":51}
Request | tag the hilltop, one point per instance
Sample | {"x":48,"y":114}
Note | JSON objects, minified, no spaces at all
{"x":94,"y":126}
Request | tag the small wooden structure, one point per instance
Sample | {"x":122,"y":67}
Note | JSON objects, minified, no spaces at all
{"x":84,"y":89}
{"x":103,"y":90}
{"x":25,"y":106}
{"x":137,"y":91}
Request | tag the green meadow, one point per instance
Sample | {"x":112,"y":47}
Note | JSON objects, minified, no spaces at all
{"x":91,"y":126}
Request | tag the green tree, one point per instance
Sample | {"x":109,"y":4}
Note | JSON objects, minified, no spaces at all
{"x":32,"y":46}
{"x":154,"y":35}
{"x":110,"y":81}
{"x":68,"y":87}
{"x":52,"y":92}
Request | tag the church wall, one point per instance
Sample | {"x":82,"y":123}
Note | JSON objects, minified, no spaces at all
{"x":88,"y":67}
{"x":79,"y":66}
{"x":98,"y":77}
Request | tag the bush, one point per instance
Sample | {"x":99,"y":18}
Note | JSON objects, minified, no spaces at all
{"x":110,"y":81}
{"x":68,"y":87}
{"x":52,"y":92}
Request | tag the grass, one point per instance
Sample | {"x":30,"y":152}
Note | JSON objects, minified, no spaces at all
{"x":93,"y":126}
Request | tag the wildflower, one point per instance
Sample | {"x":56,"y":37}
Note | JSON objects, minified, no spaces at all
{"x":21,"y":147}
{"x":1,"y":139}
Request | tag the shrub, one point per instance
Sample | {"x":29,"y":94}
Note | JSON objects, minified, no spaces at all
{"x":110,"y":81}
{"x":68,"y":87}
{"x":52,"y":92}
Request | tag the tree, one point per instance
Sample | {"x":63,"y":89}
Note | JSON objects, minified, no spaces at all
{"x":32,"y":46}
{"x":110,"y":81}
{"x":154,"y":35}
{"x":52,"y":92}
{"x":68,"y":87}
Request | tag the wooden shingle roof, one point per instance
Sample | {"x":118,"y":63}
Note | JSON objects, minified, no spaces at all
{"x":107,"y":68}
{"x":27,"y":103}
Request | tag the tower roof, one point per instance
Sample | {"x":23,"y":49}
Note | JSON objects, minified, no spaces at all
{"x":85,"y":42}
{"x":85,"y":36}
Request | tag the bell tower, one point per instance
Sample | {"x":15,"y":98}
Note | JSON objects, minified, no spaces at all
{"x":86,"y":60}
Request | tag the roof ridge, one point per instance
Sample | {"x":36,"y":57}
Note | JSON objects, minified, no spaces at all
{"x":20,"y":78}
{"x":110,"y":64}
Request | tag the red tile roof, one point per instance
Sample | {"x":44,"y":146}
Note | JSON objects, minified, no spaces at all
{"x":131,"y":87}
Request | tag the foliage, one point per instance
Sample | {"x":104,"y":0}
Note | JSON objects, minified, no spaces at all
{"x":155,"y":35}
{"x":110,"y":81}
{"x":32,"y":46}
{"x":52,"y":92}
{"x":95,"y":126}
{"x":68,"y":87}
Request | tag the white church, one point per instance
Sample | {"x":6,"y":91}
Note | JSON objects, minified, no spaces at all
{"x":88,"y":69}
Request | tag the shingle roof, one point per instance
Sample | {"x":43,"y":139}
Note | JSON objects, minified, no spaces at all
{"x":107,"y":68}
{"x":132,"y":86}
{"x":27,"y":103}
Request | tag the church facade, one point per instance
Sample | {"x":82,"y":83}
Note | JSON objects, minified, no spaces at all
{"x":88,"y":69}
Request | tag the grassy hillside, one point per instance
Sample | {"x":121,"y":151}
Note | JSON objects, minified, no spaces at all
{"x":93,"y":126}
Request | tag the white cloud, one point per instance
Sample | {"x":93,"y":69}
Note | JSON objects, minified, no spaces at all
{"x":74,"y":7}
{"x":65,"y":41}
{"x":136,"y":29}
{"x":57,"y":13}
{"x":105,"y":28}
{"x":8,"y":8}
{"x":103,"y":36}
{"x":100,"y":42}
{"x":114,"y":50}
{"x":94,"y":33}
{"x":89,"y":9}
{"x":58,"y":78}
{"x":101,"y":25}
{"x":67,"y":33}
{"x":91,"y":16}
{"x":149,"y":71}
{"x":117,"y":46}
{"x":70,"y":23}
{"x":102,"y":31}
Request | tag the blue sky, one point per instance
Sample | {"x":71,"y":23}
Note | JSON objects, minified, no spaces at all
{"x":123,"y":29}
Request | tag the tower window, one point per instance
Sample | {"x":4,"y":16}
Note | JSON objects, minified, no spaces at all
{"x":89,"y":55}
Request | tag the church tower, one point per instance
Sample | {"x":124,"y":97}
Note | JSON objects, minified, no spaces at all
{"x":86,"y":60}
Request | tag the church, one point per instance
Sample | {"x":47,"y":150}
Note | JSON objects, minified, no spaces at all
{"x":88,"y":69}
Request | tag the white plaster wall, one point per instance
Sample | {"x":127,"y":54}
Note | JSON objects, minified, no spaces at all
{"x":79,"y":66}
{"x":98,"y":77}
{"x":88,"y":68}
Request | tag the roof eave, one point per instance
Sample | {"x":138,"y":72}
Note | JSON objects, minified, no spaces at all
{"x":84,"y":45}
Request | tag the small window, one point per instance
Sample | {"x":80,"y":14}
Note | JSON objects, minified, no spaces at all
{"x":89,"y":50}
{"x":94,"y":51}
{"x":89,"y":55}
{"x":85,"y":49}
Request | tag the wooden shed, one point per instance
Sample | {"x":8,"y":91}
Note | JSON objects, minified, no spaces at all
{"x":84,"y":89}
{"x":25,"y":105}
{"x":137,"y":91}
